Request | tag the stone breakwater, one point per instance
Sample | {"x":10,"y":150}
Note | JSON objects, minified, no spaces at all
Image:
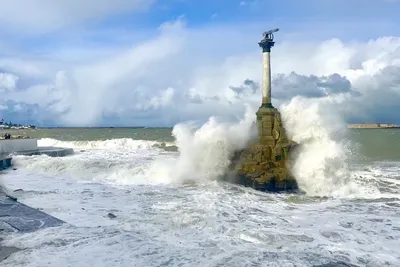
{"x":16,"y":217}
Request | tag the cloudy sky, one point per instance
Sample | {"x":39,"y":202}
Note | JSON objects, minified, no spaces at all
{"x":159,"y":62}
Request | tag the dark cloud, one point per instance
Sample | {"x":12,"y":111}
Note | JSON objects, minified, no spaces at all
{"x":22,"y":113}
{"x":247,"y":86}
{"x":252,"y":85}
{"x":378,"y":99}
{"x":287,"y":86}
{"x":333,"y":84}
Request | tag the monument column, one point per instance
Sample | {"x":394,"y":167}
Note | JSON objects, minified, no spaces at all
{"x":266,"y":45}
{"x":266,"y":112}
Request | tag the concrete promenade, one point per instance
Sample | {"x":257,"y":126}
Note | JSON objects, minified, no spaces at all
{"x":16,"y":217}
{"x":6,"y":158}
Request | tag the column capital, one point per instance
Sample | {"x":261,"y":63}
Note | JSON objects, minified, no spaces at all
{"x":266,"y":45}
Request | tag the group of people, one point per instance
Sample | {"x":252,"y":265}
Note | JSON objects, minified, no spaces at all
{"x":7,"y":136}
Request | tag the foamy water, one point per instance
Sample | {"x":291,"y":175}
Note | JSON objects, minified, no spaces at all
{"x":172,"y":211}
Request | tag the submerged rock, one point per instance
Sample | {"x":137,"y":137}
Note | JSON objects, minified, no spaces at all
{"x":111,"y":215}
{"x":12,"y":197}
{"x":336,"y":264}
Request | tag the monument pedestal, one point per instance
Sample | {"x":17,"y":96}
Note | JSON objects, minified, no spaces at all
{"x":264,"y":164}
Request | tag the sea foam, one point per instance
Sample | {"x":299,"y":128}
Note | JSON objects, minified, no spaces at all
{"x":205,"y":152}
{"x":322,"y":166}
{"x":117,"y":143}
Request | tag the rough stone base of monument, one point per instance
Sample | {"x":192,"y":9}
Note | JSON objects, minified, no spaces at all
{"x":265,"y":163}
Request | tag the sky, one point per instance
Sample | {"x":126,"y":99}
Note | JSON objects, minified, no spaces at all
{"x":161,"y":62}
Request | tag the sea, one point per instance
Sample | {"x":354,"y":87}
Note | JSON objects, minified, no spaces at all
{"x":172,"y":210}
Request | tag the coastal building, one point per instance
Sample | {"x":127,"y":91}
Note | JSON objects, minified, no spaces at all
{"x":10,"y":125}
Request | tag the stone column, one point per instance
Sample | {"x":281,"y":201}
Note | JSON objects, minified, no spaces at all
{"x":266,"y":45}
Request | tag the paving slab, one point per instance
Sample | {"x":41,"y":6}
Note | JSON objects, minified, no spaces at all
{"x":18,"y":217}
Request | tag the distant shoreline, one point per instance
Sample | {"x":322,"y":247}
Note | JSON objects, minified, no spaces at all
{"x":373,"y":126}
{"x":349,"y":126}
{"x":97,"y":127}
{"x":83,"y":127}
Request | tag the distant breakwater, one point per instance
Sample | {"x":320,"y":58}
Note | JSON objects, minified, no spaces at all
{"x":373,"y":126}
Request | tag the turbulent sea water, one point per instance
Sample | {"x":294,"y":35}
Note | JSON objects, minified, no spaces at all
{"x":172,"y":211}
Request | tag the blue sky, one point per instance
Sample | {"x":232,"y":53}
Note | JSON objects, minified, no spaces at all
{"x":351,"y":19}
{"x":157,"y":63}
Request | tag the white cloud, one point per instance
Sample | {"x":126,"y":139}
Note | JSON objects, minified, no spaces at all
{"x":46,"y":15}
{"x":183,"y":74}
{"x":8,"y":82}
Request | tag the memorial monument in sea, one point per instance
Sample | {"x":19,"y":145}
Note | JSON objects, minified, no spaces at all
{"x":263,"y":165}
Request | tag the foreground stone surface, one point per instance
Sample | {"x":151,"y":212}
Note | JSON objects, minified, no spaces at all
{"x":16,"y":217}
{"x":265,"y":163}
{"x":6,"y":252}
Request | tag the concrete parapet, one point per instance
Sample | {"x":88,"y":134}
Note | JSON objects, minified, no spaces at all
{"x":49,"y":151}
{"x":6,"y":158}
{"x":5,"y":161}
{"x":12,"y":145}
